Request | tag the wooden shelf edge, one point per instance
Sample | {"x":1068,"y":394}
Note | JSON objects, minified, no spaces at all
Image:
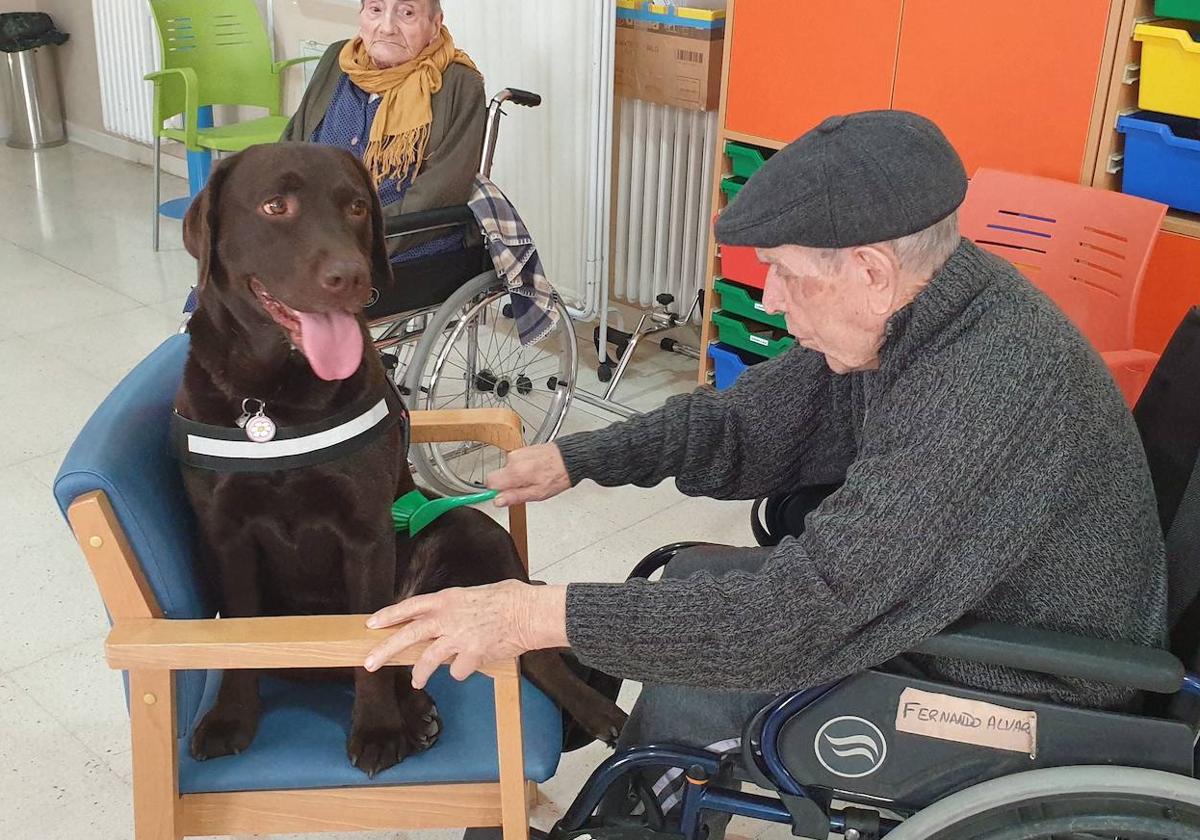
{"x":765,"y":142}
{"x":1179,"y":221}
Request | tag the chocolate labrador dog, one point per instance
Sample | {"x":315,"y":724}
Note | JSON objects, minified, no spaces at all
{"x":293,"y":443}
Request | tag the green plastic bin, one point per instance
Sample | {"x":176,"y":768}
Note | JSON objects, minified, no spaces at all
{"x":746,"y":302}
{"x":746,"y":160}
{"x":1185,"y":9}
{"x":731,"y":187}
{"x":758,"y":339}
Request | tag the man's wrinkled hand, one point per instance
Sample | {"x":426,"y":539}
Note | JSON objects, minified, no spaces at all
{"x":470,"y":627}
{"x":532,"y":474}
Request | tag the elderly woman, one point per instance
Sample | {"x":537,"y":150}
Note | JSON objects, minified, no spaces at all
{"x":403,"y":99}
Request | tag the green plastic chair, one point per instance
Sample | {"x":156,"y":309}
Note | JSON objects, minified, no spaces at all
{"x":214,"y":52}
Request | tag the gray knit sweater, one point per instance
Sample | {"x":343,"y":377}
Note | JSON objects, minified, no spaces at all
{"x":991,"y":470}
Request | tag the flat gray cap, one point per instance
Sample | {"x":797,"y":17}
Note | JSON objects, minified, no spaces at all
{"x":852,"y":180}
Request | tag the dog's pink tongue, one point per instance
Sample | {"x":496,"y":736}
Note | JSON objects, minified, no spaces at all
{"x":333,"y":343}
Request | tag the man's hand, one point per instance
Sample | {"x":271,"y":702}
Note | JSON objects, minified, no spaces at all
{"x":468,"y":627}
{"x":532,"y":474}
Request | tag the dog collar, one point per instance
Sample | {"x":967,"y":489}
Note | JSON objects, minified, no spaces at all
{"x":227,"y":448}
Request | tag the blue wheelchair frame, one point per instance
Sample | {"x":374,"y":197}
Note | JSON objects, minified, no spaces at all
{"x":703,"y":765}
{"x":1157,"y":672}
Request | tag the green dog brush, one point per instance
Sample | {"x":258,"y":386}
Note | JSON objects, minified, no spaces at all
{"x":412,"y":511}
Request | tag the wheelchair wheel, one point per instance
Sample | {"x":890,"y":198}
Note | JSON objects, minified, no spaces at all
{"x":470,"y":356}
{"x":1065,"y":802}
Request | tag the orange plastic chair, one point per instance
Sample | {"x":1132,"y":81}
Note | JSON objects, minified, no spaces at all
{"x":1086,"y":248}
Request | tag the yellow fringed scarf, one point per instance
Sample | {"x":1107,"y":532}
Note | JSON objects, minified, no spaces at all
{"x":400,"y":130}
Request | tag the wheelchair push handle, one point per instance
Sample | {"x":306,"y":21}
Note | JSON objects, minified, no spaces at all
{"x":524,"y":98}
{"x":445,"y":217}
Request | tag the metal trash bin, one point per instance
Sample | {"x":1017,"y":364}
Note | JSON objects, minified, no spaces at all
{"x":28,"y":40}
{"x":37,"y":113}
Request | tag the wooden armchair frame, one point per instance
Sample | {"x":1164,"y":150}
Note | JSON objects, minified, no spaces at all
{"x":151,"y":648}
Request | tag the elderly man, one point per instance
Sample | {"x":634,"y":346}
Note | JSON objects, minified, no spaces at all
{"x":989,"y":467}
{"x":409,"y":104}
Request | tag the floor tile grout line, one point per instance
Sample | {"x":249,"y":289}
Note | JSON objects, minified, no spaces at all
{"x":31,"y":459}
{"x":149,"y":307}
{"x":25,"y":461}
{"x":7,"y":672}
{"x":86,"y":748}
{"x":593,"y":544}
{"x":85,"y":277}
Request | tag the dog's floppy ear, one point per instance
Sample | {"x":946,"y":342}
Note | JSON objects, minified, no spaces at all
{"x":200,"y":224}
{"x":381,"y":267}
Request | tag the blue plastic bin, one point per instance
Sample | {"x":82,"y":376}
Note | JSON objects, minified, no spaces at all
{"x":1162,"y":158}
{"x":728,"y":364}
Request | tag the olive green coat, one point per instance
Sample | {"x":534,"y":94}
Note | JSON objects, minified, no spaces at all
{"x":455,"y":146}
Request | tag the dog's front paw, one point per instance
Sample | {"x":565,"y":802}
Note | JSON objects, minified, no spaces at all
{"x":374,"y":748}
{"x":424,"y":723}
{"x":603,"y":721}
{"x":224,"y":732}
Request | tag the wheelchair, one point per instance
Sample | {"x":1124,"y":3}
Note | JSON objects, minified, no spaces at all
{"x":885,"y":753}
{"x":448,"y":337}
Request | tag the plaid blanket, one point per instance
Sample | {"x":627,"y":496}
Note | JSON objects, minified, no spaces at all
{"x":516,"y":260}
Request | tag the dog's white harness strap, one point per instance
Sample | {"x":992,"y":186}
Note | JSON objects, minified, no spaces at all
{"x":250,"y":451}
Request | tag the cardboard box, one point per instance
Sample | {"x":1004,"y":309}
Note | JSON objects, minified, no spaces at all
{"x":669,"y":58}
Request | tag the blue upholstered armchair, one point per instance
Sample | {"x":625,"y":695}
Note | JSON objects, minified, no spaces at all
{"x":121,"y":492}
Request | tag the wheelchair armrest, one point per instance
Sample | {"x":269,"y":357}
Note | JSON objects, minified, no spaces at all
{"x":442,"y":217}
{"x":1048,"y":652}
{"x":659,"y":558}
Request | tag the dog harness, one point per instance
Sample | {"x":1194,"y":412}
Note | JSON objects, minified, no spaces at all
{"x":256,"y":444}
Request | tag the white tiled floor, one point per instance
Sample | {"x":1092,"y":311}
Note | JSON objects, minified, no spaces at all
{"x":82,"y":298}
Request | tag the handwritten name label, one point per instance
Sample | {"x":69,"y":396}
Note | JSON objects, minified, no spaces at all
{"x":966,"y":721}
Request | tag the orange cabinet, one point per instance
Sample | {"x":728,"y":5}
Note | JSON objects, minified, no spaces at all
{"x":794,"y":63}
{"x":1171,"y":287}
{"x":1012,"y":84}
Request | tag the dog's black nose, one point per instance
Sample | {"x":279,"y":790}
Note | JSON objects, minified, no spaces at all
{"x":344,"y":275}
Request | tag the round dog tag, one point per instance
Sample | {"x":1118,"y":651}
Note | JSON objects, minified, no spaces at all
{"x":260,"y":428}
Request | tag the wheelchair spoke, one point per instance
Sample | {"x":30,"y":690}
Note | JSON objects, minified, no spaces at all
{"x":519,"y":348}
{"x":481,"y":362}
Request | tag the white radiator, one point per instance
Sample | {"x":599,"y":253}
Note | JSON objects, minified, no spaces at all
{"x":127,"y":49}
{"x":664,"y":176}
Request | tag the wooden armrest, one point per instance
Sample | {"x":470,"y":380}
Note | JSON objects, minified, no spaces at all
{"x":500,"y":427}
{"x":311,"y":641}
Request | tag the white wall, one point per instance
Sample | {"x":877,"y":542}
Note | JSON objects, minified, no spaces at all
{"x":542,"y":161}
{"x":324,"y":21}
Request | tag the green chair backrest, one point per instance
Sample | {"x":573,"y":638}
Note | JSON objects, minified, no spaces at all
{"x":225,"y":43}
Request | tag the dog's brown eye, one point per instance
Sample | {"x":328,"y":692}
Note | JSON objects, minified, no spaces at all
{"x":358,"y":207}
{"x":276,"y":206}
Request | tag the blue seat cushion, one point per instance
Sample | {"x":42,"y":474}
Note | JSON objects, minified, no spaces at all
{"x":301,"y":739}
